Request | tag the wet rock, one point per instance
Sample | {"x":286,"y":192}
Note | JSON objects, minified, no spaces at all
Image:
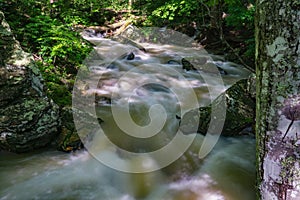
{"x":102,"y":100}
{"x":89,"y":32}
{"x":240,"y":111}
{"x":28,"y":119}
{"x":187,"y":65}
{"x":112,"y":66}
{"x":130,"y":56}
{"x":68,"y":139}
{"x":222,"y":71}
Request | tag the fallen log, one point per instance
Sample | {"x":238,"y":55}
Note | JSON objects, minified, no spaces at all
{"x":104,"y":28}
{"x":123,"y":27}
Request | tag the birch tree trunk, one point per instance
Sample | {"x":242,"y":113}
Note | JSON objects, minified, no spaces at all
{"x":130,"y":4}
{"x":278,"y":99}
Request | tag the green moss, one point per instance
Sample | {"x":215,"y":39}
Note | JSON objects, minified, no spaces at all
{"x":59,"y":93}
{"x":68,"y":139}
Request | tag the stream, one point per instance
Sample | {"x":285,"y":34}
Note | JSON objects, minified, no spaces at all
{"x":137,"y":96}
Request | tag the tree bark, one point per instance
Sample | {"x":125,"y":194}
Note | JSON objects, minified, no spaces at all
{"x":278,"y":99}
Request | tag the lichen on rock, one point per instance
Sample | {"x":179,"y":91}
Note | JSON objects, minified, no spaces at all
{"x":28,"y":118}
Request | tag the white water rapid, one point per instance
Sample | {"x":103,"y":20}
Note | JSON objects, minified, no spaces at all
{"x":136,"y":99}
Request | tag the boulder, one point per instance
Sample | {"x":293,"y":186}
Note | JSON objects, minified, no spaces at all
{"x":240,"y":111}
{"x":68,"y":139}
{"x":28,"y":119}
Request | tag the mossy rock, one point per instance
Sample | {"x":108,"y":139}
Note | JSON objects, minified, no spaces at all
{"x":68,"y":139}
{"x":59,"y":93}
{"x":28,"y":118}
{"x":240,"y":111}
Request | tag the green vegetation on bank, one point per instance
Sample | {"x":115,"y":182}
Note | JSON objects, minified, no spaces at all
{"x":46,"y":28}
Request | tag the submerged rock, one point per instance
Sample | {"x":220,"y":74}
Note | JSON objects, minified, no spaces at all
{"x":28,"y":119}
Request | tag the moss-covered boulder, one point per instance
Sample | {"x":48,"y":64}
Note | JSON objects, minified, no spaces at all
{"x":68,"y":139}
{"x":240,"y":111}
{"x":28,"y":119}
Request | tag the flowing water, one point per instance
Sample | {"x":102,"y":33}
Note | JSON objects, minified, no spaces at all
{"x":139,"y":87}
{"x":227,"y":173}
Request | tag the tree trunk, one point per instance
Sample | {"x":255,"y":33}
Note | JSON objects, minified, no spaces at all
{"x":278,"y":99}
{"x":130,"y":4}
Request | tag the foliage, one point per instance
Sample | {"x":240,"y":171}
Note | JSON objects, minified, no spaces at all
{"x":250,"y":52}
{"x":241,"y":17}
{"x":62,"y":51}
{"x":59,"y":93}
{"x":56,"y":43}
{"x":162,"y":13}
{"x":175,"y":8}
{"x":45,"y":31}
{"x":46,"y":28}
{"x":241,"y":13}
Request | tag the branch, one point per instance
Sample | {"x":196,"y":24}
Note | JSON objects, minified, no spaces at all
{"x":104,"y":28}
{"x":233,"y":50}
{"x":238,"y":56}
